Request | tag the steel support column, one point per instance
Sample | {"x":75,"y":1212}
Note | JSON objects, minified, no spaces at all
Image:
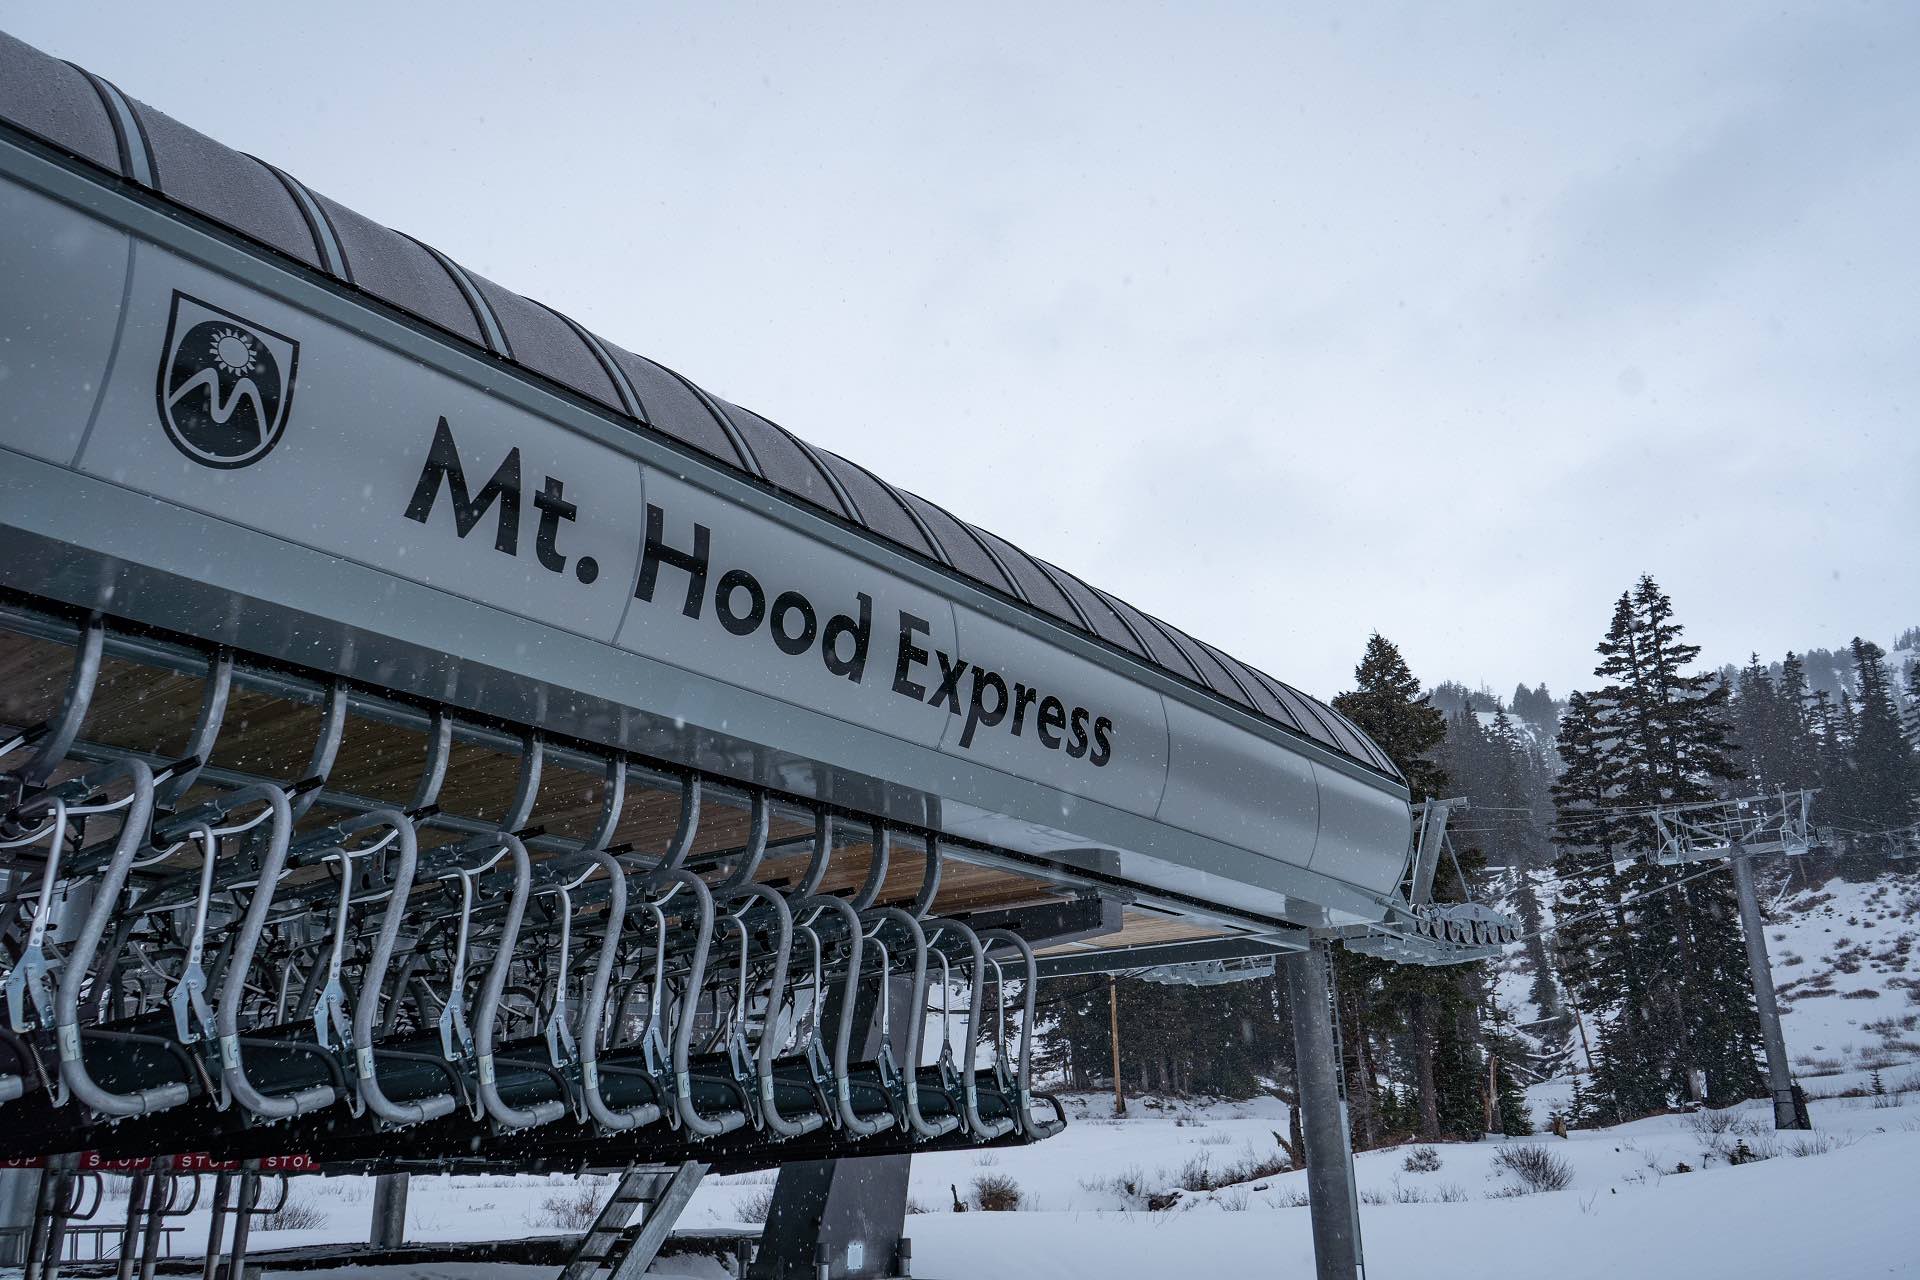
{"x":1332,"y":1198}
{"x":1753,"y":928}
{"x":389,"y":1211}
{"x":852,"y":1211}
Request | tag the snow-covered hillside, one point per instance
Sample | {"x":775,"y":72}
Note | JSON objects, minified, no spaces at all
{"x":1846,"y":964}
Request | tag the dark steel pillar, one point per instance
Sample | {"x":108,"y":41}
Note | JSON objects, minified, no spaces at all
{"x":1332,"y":1198}
{"x":849,"y":1213}
{"x":1779,"y":1076}
{"x":389,"y":1211}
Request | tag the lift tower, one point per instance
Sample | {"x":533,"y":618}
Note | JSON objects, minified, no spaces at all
{"x":1738,"y":831}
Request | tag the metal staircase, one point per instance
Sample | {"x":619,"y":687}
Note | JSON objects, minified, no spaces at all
{"x":611,"y":1250}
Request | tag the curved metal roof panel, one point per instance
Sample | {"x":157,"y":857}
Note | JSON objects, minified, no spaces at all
{"x":881,"y":509}
{"x":672,"y":407}
{"x":1039,"y":590}
{"x":1106,"y":623}
{"x":783,"y":462}
{"x":234,"y":190}
{"x":399,"y":272}
{"x":963,"y":551}
{"x":54,"y":101}
{"x":89,"y":119}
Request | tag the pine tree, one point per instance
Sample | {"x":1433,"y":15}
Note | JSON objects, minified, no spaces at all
{"x":1799,"y":752}
{"x":1757,"y":721}
{"x":1658,"y":953}
{"x":1884,"y":770}
{"x":1432,"y":1013}
{"x":1387,"y":703}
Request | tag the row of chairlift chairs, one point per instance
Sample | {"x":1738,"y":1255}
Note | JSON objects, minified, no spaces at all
{"x":225,"y":981}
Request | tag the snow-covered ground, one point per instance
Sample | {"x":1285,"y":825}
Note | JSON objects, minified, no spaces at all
{"x":1837,"y":1203}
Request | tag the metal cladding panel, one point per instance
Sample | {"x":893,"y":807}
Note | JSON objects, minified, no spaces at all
{"x":1364,"y":833}
{"x":1233,"y":785}
{"x":1344,"y":737}
{"x":880,"y":510}
{"x":1339,"y":735}
{"x":545,"y":343}
{"x":1369,"y":749}
{"x":785,"y":463}
{"x":1280,"y":712}
{"x":1263,"y":700}
{"x":399,"y":272}
{"x":1212,"y":674}
{"x":364,"y":410}
{"x":963,"y":552}
{"x":233,"y":190}
{"x":51,"y":100}
{"x":771,"y":610}
{"x":61,"y":279}
{"x":1038,"y":589}
{"x":673,"y":409}
{"x":1159,"y":647}
{"x":1026,"y":707}
{"x":1303,"y":711}
{"x":782,"y":461}
{"x":1106,"y":623}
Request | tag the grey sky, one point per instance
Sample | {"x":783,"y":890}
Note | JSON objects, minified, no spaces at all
{"x":1447,"y":321}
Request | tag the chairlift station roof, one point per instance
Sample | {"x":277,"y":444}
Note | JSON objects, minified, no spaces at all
{"x":239,"y":413}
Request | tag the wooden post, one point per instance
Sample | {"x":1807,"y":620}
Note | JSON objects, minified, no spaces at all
{"x":1113,"y":1020}
{"x":1493,"y":1092}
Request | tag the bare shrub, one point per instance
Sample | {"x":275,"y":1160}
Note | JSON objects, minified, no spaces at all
{"x":1422,"y":1160}
{"x":1291,"y":1198}
{"x":755,"y":1206}
{"x":1449,"y":1193}
{"x":1536,"y":1168}
{"x":1235,"y":1200}
{"x":1816,"y":1144}
{"x":570,"y":1210}
{"x":1129,"y":1184}
{"x":1708,"y":1123}
{"x":297,"y":1214}
{"x":1198,"y":1173}
{"x":996,"y":1193}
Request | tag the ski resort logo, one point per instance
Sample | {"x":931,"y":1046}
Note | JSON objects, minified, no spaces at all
{"x":225,"y":384}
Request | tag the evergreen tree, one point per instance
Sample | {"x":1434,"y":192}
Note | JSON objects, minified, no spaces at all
{"x":1387,"y":703}
{"x":1536,"y":706}
{"x":1884,"y":770}
{"x":1661,"y":954}
{"x":1757,"y":726}
{"x":1799,"y":753}
{"x":1431,"y":1015}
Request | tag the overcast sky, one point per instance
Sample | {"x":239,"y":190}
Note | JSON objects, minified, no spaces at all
{"x":1287,"y":323}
